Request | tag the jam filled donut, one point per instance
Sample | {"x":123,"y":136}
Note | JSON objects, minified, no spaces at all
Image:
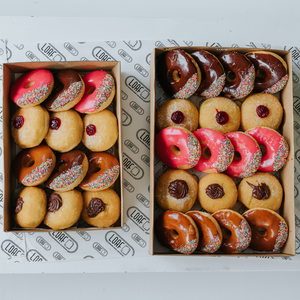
{"x":210,"y":233}
{"x":99,"y":92}
{"x":269,"y":229}
{"x":177,"y":112}
{"x":221,"y":151}
{"x":103,"y":171}
{"x":270,"y":71}
{"x":32,"y":88}
{"x":221,"y":114}
{"x":70,"y":169}
{"x":240,"y":75}
{"x":236,"y":231}
{"x":177,"y":231}
{"x":248,"y":155}
{"x":277,"y":149}
{"x":261,"y":190}
{"x":29,"y":126}
{"x":67,"y":92}
{"x":217,"y":191}
{"x":176,"y":190}
{"x":212,"y":74}
{"x":177,"y":148}
{"x":261,"y":110}
{"x":178,"y":74}
{"x":33,"y":166}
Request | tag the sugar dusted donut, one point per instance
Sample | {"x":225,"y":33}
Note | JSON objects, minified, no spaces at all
{"x":250,"y":155}
{"x":240,"y":75}
{"x":99,"y":92}
{"x":261,"y":190}
{"x":32,"y":88}
{"x":220,"y":148}
{"x":103,"y":171}
{"x":177,"y":112}
{"x":176,"y":190}
{"x":277,"y":149}
{"x":212,"y":74}
{"x":178,"y":74}
{"x":177,"y":148}
{"x":221,"y":114}
{"x":67,"y":92}
{"x":210,"y":233}
{"x":261,"y":110}
{"x":269,"y":229}
{"x":33,"y":166}
{"x":271,"y":71}
{"x":177,"y":231}
{"x":236,"y":231}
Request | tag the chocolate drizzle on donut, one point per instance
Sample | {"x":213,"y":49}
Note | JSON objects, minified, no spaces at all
{"x":262,"y":111}
{"x":214,"y":191}
{"x":260,"y":191}
{"x":19,"y":205}
{"x":178,"y":189}
{"x":177,"y":117}
{"x":54,"y":202}
{"x":95,"y":207}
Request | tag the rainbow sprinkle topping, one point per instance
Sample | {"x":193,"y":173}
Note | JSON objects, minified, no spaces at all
{"x":38,"y":173}
{"x":215,"y":88}
{"x":188,"y":89}
{"x":281,"y":237}
{"x":225,"y":155}
{"x":244,"y":236}
{"x":188,"y":248}
{"x":278,"y":86}
{"x":34,"y":95}
{"x":213,"y":245}
{"x":195,"y":150}
{"x":67,"y":95}
{"x":106,"y":178}
{"x":252,"y":165}
{"x":246,"y":85}
{"x":66,"y":178}
{"x":281,"y":155}
{"x":103,"y":91}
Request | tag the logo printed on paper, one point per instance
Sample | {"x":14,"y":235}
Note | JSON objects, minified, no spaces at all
{"x":124,"y":96}
{"x":138,"y":88}
{"x":65,"y":241}
{"x":132,"y":168}
{"x":71,"y":49}
{"x":297,"y":245}
{"x":119,"y":244}
{"x":148,"y":59}
{"x":128,"y":186}
{"x":297,"y":221}
{"x":139,"y":218}
{"x":1,"y":177}
{"x":295,"y":78}
{"x":11,"y":249}
{"x":296,"y":192}
{"x":146,"y":159}
{"x":19,"y":46}
{"x":19,"y":235}
{"x":51,"y":52}
{"x":136,"y":108}
{"x":159,"y":44}
{"x":42,"y":242}
{"x":160,"y":171}
{"x":141,"y":70}
{"x":100,"y":54}
{"x":143,"y":200}
{"x":188,"y":43}
{"x":58,"y":256}
{"x":125,"y":55}
{"x":131,"y":146}
{"x":126,"y":118}
{"x":297,"y":127}
{"x":296,"y":105}
{"x":295,"y":55}
{"x":88,"y":257}
{"x":138,"y":240}
{"x":148,"y":119}
{"x":266,"y":46}
{"x":100,"y":249}
{"x":83,"y":59}
{"x":1,"y":114}
{"x":1,"y":51}
{"x":32,"y":56}
{"x":1,"y":195}
{"x":1,"y":219}
{"x":143,"y":135}
{"x":297,"y":155}
{"x":125,"y":228}
{"x":111,"y":44}
{"x":8,"y":53}
{"x":33,"y":255}
{"x":215,"y":45}
{"x":134,"y":45}
{"x":174,"y":43}
{"x":84,"y":235}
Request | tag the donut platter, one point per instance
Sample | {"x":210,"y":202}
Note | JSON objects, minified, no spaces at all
{"x":221,"y":155}
{"x":63,"y":157}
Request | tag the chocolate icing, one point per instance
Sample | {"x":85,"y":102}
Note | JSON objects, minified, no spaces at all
{"x":178,"y":189}
{"x":54,"y":202}
{"x":214,"y":191}
{"x":260,"y":191}
{"x":95,"y":207}
{"x":19,"y":204}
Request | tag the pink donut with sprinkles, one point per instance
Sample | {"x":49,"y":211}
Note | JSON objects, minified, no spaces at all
{"x":248,"y":155}
{"x":32,"y":88}
{"x":177,"y":148}
{"x":277,"y":149}
{"x":220,"y":148}
{"x":99,"y":92}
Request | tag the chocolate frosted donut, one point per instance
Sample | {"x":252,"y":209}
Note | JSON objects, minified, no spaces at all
{"x":178,"y":74}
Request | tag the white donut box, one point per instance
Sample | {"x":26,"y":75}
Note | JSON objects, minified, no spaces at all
{"x":286,"y":174}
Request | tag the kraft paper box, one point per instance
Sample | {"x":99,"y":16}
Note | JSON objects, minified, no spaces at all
{"x":11,"y":186}
{"x":286,"y":174}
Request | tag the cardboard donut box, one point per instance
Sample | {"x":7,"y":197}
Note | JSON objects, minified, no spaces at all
{"x":10,"y":73}
{"x":286,"y":174}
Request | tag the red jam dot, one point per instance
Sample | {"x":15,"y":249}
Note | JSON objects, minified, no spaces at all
{"x":222,"y":117}
{"x":55,"y":123}
{"x":262,"y":111}
{"x":91,"y":129}
{"x":18,"y":122}
{"x":177,"y":117}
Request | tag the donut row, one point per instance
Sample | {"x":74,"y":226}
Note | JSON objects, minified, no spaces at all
{"x":62,"y":210}
{"x":231,"y":74}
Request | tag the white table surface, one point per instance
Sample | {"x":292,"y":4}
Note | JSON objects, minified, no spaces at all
{"x":274,"y":22}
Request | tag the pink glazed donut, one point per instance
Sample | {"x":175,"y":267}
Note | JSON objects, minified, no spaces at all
{"x":177,"y":148}
{"x":99,"y":92}
{"x":250,"y":154}
{"x":277,"y":149}
{"x":32,"y":88}
{"x":220,"y":147}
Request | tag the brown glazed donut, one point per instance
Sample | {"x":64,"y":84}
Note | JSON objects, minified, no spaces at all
{"x":178,"y":74}
{"x":177,"y":231}
{"x":33,"y":166}
{"x":67,"y":92}
{"x":270,"y":71}
{"x":269,"y":230}
{"x":240,"y":75}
